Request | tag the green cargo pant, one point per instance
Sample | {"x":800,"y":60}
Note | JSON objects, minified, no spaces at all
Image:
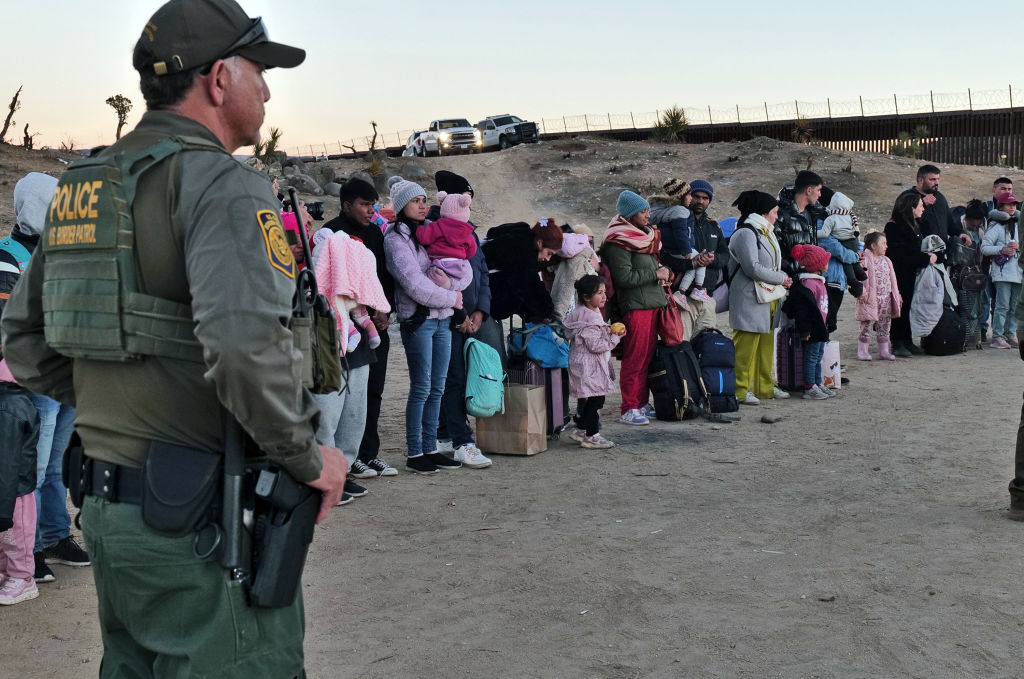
{"x":165,"y":613}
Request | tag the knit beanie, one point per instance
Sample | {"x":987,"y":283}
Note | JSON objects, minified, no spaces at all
{"x":357,"y":188}
{"x":402,"y":191}
{"x":630,"y":203}
{"x":584,"y":229}
{"x":449,"y":182}
{"x":32,"y":196}
{"x":755,"y":202}
{"x":810,"y":257}
{"x":702,"y":185}
{"x":455,"y":205}
{"x":676,"y":190}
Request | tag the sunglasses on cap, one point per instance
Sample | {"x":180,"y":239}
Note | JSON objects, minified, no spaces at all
{"x":255,"y":34}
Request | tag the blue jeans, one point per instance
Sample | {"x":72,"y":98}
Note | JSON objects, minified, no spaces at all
{"x":1004,"y":320}
{"x":813,"y":351}
{"x":427,"y":352}
{"x":56,"y":422}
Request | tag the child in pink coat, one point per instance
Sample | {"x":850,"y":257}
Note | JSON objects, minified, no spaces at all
{"x":591,"y":371}
{"x":881,"y":301}
{"x":449,"y":241}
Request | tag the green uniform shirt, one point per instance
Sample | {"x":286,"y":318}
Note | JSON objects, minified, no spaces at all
{"x":202,"y":238}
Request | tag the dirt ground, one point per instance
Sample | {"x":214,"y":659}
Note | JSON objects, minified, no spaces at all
{"x":863,"y":536}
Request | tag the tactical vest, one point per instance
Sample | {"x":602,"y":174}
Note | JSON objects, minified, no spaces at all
{"x":91,"y":302}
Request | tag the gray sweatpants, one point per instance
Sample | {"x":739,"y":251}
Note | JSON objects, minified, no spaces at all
{"x":343,"y":414}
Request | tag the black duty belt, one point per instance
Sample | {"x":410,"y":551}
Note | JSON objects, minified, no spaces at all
{"x":112,"y":482}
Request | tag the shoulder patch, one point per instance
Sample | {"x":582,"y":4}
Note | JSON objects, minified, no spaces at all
{"x":278,"y":252}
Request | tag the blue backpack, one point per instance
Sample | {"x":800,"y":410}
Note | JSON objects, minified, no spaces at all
{"x":542,"y":344}
{"x":485,"y":380}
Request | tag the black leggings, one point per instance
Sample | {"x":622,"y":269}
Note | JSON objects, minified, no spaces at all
{"x":587,"y":415}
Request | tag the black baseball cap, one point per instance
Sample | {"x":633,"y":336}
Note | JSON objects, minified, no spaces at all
{"x":187,"y":34}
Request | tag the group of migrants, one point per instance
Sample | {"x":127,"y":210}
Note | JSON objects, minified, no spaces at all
{"x":790,"y":261}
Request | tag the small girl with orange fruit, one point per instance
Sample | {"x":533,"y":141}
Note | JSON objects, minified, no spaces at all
{"x":591,"y":371}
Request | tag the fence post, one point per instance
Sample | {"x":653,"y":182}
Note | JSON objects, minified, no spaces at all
{"x":1011,"y":97}
{"x":896,"y":104}
{"x":861,"y":106}
{"x":543,"y":127}
{"x":631,"y":120}
{"x":766,"y":118}
{"x":797,"y":105}
{"x":932,"y":95}
{"x":609,"y":121}
{"x":828,"y":102}
{"x":586,"y":122}
{"x":325,"y":147}
{"x":311,"y":151}
{"x":738,"y":114}
{"x":970,"y":102}
{"x":565,"y":125}
{"x":711,"y":121}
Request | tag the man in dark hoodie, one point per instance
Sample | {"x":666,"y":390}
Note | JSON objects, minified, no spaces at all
{"x":799,"y":212}
{"x":454,"y":434}
{"x":357,"y":200}
{"x":937,"y":219}
{"x":54,"y":543}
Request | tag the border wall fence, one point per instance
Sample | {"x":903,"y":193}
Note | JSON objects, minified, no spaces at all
{"x":974,"y":127}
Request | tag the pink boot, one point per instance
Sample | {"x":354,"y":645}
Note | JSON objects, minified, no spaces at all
{"x":863,"y":353}
{"x":884,"y":353}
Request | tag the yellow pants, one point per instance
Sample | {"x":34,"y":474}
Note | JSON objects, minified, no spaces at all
{"x":754,"y":354}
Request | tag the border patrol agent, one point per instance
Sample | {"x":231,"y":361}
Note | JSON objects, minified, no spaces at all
{"x":158,"y":307}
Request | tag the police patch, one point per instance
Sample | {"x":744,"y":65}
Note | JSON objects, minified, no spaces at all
{"x":278,"y":252}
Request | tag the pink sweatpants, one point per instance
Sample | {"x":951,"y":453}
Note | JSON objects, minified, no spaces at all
{"x":16,"y":544}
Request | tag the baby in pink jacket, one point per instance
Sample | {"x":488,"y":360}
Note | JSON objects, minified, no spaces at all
{"x":449,"y":241}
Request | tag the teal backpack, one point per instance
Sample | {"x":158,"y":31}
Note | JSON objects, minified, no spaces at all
{"x":485,"y":380}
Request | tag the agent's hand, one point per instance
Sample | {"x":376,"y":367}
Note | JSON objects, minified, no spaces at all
{"x":332,"y":479}
{"x":788,"y":283}
{"x":932,"y":258}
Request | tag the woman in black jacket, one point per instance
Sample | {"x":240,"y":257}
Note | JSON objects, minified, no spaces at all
{"x":904,"y":237}
{"x":514,"y":254}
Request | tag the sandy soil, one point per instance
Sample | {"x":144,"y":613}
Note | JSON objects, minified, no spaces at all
{"x":859,"y":537}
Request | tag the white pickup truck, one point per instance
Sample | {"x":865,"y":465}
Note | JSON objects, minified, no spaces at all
{"x":506,"y":130}
{"x":448,"y":135}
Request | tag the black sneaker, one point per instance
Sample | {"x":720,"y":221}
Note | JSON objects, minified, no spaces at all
{"x":43,"y":572}
{"x":66,"y":552}
{"x":442,"y":461}
{"x":359,"y":470}
{"x":420,"y":464}
{"x":354,"y":489}
{"x":345,"y":499}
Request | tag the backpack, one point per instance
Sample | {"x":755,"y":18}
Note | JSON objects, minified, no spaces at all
{"x":717,"y":356}
{"x":949,"y":334}
{"x":676,"y":385}
{"x":542,"y":343}
{"x":485,"y":381}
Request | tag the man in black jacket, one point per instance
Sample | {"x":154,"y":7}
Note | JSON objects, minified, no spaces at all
{"x":798,"y":216}
{"x":707,"y":235}
{"x":357,"y":201}
{"x":937,"y":219}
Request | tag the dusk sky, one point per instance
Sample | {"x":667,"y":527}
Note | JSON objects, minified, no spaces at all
{"x":404,"y":63}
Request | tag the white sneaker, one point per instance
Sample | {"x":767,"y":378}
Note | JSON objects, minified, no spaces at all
{"x":577,"y":435}
{"x":779,"y":393}
{"x":634,"y":416}
{"x":596,"y":441}
{"x":751,"y":400}
{"x":445,"y":446}
{"x":815,"y":394}
{"x":825,"y":390}
{"x":471,"y":456}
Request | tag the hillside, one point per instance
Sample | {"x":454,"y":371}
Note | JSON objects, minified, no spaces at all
{"x":578,"y":179}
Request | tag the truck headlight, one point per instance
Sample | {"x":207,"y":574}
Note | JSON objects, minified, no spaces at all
{"x":476,"y":134}
{"x":444,"y":136}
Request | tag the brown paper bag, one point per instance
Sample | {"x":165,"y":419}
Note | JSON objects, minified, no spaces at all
{"x":521,"y":429}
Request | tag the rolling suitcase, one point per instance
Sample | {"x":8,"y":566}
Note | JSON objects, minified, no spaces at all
{"x":555,"y":381}
{"x":790,"y":363}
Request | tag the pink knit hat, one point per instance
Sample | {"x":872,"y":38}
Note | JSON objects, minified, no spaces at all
{"x":810,"y":257}
{"x":455,"y":205}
